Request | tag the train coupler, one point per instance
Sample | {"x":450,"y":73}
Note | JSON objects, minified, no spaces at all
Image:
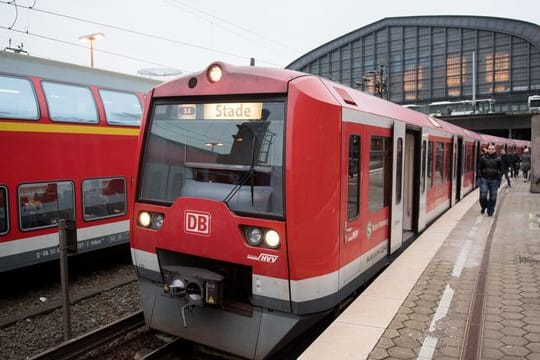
{"x":183,"y":311}
{"x":199,"y":287}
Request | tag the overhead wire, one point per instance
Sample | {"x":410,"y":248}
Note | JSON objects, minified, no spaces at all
{"x":134,"y":32}
{"x":28,"y":16}
{"x":82,"y":46}
{"x":195,"y":10}
{"x":16,"y":13}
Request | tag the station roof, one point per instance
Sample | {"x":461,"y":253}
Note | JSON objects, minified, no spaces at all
{"x":525,"y":30}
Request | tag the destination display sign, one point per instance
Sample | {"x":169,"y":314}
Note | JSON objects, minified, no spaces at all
{"x":187,"y":112}
{"x":233,"y":111}
{"x":220,"y":111}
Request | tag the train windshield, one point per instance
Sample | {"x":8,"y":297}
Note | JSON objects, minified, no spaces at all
{"x":225,"y":151}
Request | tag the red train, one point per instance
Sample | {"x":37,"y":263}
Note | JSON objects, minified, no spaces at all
{"x":67,"y":134}
{"x":265,"y":197}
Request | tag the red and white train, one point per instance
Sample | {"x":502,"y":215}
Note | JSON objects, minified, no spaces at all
{"x":265,"y":197}
{"x":67,"y":137}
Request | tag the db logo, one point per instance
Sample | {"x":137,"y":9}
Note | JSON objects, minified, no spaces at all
{"x":197,"y":222}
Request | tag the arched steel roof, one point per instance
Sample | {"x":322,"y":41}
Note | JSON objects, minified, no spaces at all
{"x":526,"y":30}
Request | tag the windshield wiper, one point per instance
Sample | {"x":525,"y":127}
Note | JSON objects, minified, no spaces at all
{"x":249,"y":175}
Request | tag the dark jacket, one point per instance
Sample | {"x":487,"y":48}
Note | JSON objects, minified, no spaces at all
{"x":526,"y":161}
{"x":507,"y":160}
{"x":490,"y":167}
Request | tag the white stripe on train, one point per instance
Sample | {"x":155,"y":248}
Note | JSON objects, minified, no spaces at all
{"x":18,"y":246}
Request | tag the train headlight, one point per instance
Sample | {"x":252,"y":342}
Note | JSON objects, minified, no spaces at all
{"x":271,"y":238}
{"x":145,"y":219}
{"x":214,"y":73}
{"x":260,"y":236}
{"x":151,"y":220}
{"x":157,"y":221}
{"x":254,"y":236}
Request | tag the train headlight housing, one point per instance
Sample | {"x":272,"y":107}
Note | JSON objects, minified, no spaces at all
{"x":271,"y":238}
{"x":150,"y":220}
{"x":214,"y":73}
{"x":254,"y":236}
{"x":157,"y":221}
{"x":261,"y":237}
{"x":145,"y":219}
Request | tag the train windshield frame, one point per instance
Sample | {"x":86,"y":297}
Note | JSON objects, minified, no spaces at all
{"x":224,"y":149}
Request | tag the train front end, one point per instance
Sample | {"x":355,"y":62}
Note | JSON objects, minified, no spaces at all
{"x":209,"y":239}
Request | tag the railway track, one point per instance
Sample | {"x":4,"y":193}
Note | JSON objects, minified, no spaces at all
{"x":166,"y":350}
{"x":56,"y":304}
{"x":77,"y":347}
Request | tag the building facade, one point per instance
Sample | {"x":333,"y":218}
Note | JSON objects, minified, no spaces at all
{"x":449,"y":66}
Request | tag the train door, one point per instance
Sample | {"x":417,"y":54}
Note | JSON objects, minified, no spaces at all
{"x":352,"y":221}
{"x":408,"y":183}
{"x":423,"y":185}
{"x":477,"y":152}
{"x":453,"y":195}
{"x":460,"y":168}
{"x":396,"y":217}
{"x":366,"y":193}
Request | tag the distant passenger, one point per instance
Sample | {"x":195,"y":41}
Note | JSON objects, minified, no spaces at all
{"x":526,"y":163}
{"x":515,"y":164}
{"x":507,"y":163}
{"x":490,"y":170}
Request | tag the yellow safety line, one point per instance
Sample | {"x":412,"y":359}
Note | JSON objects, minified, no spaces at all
{"x":67,"y":129}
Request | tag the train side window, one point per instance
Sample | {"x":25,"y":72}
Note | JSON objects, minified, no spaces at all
{"x":469,"y":149}
{"x":466,"y":159}
{"x":430,"y":164}
{"x":439,"y":158}
{"x":399,"y":169}
{"x":121,"y":108}
{"x":4,"y":213}
{"x":353,"y":192}
{"x":42,"y":204}
{"x":104,"y":198}
{"x":380,"y":173}
{"x":17,"y":99}
{"x":70,"y":103}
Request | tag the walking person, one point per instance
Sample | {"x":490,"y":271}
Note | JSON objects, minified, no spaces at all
{"x":507,"y":163}
{"x":515,"y":164}
{"x":526,"y":163}
{"x":490,"y":170}
{"x":511,"y":157}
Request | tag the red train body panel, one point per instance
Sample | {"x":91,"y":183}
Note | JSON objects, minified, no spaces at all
{"x":266,"y":197}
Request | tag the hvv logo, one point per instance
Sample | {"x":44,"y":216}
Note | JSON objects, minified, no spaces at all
{"x":264,"y":258}
{"x":196,"y":222}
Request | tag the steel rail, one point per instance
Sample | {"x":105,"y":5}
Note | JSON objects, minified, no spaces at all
{"x":75,"y":348}
{"x":165,"y":349}
{"x":57,"y":304}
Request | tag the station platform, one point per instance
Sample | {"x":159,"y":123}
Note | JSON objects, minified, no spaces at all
{"x":467,"y":288}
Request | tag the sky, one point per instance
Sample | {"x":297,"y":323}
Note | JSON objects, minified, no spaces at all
{"x":186,"y":36}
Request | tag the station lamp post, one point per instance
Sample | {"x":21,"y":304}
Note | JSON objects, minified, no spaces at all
{"x":91,"y":38}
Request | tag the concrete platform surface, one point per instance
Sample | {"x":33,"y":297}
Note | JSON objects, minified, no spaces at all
{"x":467,"y":288}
